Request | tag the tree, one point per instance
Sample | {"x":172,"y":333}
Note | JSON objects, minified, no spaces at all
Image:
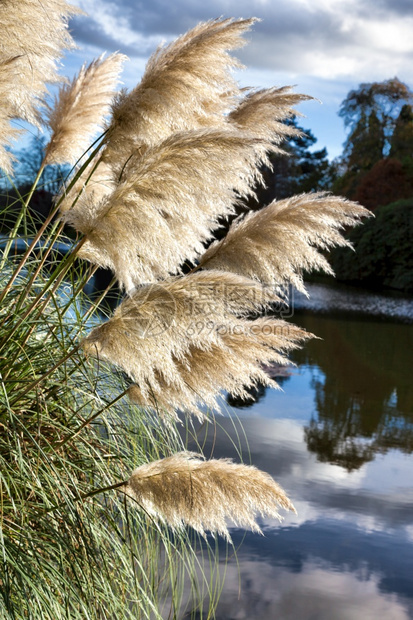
{"x":309,"y":168}
{"x":382,"y":100}
{"x":365,"y":145}
{"x":303,"y":170}
{"x":383,"y":247}
{"x":386,"y":182}
{"x":401,"y":144}
{"x":373,"y":115}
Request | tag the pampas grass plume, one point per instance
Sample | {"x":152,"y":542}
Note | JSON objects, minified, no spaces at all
{"x":34,"y":33}
{"x":80,"y":109}
{"x":262,"y":113}
{"x":232,"y":364}
{"x":8,"y":133}
{"x":184,"y":340}
{"x":195,"y":68}
{"x":184,"y":490}
{"x":279,"y":242}
{"x":167,"y":203}
{"x":92,"y":186}
{"x":155,"y":327}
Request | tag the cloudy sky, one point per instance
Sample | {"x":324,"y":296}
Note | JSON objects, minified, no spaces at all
{"x":324,"y":47}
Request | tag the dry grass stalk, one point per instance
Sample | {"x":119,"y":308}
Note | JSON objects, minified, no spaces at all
{"x":8,"y":133}
{"x":33,"y":33}
{"x":232,"y":364}
{"x":184,"y":490}
{"x":167,"y":203}
{"x":80,"y":109}
{"x":276,"y":244}
{"x":195,"y":68}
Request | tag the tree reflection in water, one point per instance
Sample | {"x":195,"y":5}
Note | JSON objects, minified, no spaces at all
{"x":363,"y":388}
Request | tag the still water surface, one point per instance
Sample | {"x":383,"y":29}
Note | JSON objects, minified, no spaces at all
{"x":339,"y":439}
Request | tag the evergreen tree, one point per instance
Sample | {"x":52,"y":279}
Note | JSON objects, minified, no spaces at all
{"x":303,"y":170}
{"x":401,"y":144}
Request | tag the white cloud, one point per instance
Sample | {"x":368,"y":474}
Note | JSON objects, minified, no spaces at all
{"x":256,"y":589}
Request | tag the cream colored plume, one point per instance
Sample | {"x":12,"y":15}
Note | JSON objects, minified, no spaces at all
{"x":8,"y":133}
{"x":232,"y":364}
{"x":34,"y":33}
{"x":166,"y":204}
{"x":80,"y":109}
{"x":186,"y":85}
{"x":276,"y":244}
{"x":262,"y":113}
{"x":162,"y":324}
{"x":184,"y":490}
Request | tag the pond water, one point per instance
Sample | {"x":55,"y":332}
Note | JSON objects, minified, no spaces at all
{"x":339,"y":439}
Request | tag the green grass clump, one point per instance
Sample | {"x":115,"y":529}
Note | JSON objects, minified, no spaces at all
{"x":68,"y":549}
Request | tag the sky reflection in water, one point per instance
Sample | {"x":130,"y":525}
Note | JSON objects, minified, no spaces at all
{"x":339,"y":439}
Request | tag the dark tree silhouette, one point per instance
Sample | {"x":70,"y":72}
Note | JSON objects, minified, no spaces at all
{"x":401,"y":144}
{"x":363,"y":391}
{"x":383,"y":100}
{"x":376,"y":115}
{"x":383,"y":254}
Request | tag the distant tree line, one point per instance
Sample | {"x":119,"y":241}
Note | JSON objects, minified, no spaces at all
{"x":375,"y":169}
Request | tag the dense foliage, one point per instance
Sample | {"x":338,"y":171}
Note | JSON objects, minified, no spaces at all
{"x":303,"y":170}
{"x":383,"y":250}
{"x":375,"y":169}
{"x":379,"y":119}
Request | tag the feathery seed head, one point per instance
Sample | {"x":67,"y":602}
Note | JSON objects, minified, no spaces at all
{"x":93,"y":185}
{"x":233,"y":364}
{"x":167,"y":203}
{"x":276,"y":244}
{"x":34,"y":33}
{"x":80,"y":108}
{"x":184,"y":490}
{"x":185,"y":340}
{"x":8,"y":133}
{"x":196,"y":68}
{"x":261,"y":113}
